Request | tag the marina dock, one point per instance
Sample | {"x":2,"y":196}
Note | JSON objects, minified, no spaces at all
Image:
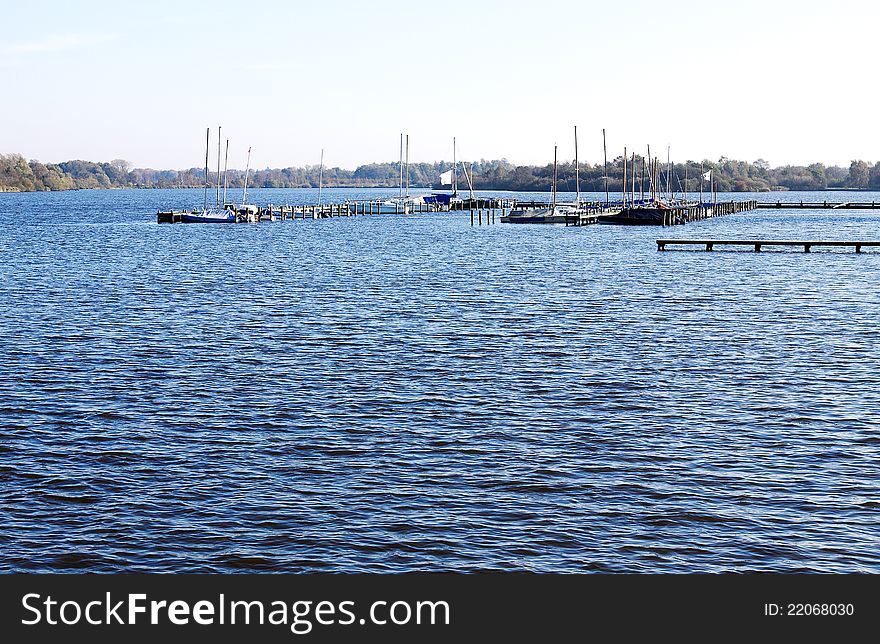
{"x":588,"y":213}
{"x":824,"y":205}
{"x":351,"y":208}
{"x":672,"y":214}
{"x":757,"y":244}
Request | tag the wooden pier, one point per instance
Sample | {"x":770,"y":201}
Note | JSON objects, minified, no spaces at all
{"x":600,"y":212}
{"x":589,"y":214}
{"x":351,"y":208}
{"x":488,"y":203}
{"x":688,"y":213}
{"x":757,"y":244}
{"x":344,"y":209}
{"x":660,"y":214}
{"x":824,"y":205}
{"x":275,"y":212}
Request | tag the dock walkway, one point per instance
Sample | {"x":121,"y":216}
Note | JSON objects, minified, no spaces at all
{"x":757,"y":244}
{"x":351,"y":208}
{"x":816,"y":205}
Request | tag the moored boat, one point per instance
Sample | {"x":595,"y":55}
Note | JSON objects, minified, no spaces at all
{"x":400,"y":205}
{"x":209,"y":216}
{"x":535,"y":213}
{"x":656,"y":213}
{"x":636,"y":216}
{"x":540,"y":215}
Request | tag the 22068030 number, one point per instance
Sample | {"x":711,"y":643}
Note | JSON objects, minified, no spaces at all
{"x":820,"y":609}
{"x":809,"y":609}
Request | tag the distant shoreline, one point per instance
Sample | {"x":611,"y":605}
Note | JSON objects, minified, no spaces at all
{"x":412,"y":188}
{"x":726,"y":175}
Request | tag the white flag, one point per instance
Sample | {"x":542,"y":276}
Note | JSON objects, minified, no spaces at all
{"x":707,"y":175}
{"x":446,"y":178}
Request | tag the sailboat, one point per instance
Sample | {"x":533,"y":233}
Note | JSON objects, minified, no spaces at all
{"x":656,"y":210}
{"x":215,"y":214}
{"x":404,"y":203}
{"x":554,"y":213}
{"x":244,"y":211}
{"x":448,"y":178}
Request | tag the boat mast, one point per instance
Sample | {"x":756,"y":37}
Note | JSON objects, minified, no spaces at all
{"x":207,"y":144}
{"x":321,"y":177}
{"x":553,"y":212}
{"x":701,"y":183}
{"x":218,"y":164}
{"x":468,"y":177}
{"x":225,"y":172}
{"x":642,"y":182}
{"x":246,"y":173}
{"x":454,"y":166}
{"x":659,"y":179}
{"x":577,"y":176}
{"x":668,"y":172}
{"x":685,"y":181}
{"x":605,"y":152}
{"x":400,"y":165}
{"x":624,"y":176}
{"x":632,"y":199}
{"x":658,"y":189}
{"x":406,"y":172}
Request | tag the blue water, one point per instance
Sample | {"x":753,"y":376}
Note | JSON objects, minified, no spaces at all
{"x":410,"y":393}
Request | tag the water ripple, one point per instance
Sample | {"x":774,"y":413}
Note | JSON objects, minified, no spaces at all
{"x":388,"y":394}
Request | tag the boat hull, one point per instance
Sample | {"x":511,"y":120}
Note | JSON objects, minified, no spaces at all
{"x":635,"y":217}
{"x":220,"y":217}
{"x":392,"y":208}
{"x":533,"y":219}
{"x":558,"y":215}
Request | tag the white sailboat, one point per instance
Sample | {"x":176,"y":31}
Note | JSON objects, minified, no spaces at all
{"x":404,"y":203}
{"x":214,"y":214}
{"x":448,"y":178}
{"x":553,"y":213}
{"x":244,"y":210}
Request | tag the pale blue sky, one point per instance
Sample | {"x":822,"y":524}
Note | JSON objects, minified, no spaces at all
{"x":792,"y":82}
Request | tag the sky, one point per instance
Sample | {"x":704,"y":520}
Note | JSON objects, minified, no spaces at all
{"x":789,"y":82}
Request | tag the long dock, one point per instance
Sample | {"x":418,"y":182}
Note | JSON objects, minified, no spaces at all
{"x":350,"y":208}
{"x":660,"y":214}
{"x":757,"y":244}
{"x":274,"y":212}
{"x":816,"y":205}
{"x":699,"y":211}
{"x":590,"y":212}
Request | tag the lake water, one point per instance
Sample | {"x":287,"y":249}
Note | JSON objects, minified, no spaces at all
{"x":396,"y":393}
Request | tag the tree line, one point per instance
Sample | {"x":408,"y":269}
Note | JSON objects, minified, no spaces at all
{"x":18,"y":174}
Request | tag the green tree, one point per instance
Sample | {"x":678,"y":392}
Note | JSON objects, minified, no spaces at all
{"x":874,"y":177}
{"x":858,"y":175}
